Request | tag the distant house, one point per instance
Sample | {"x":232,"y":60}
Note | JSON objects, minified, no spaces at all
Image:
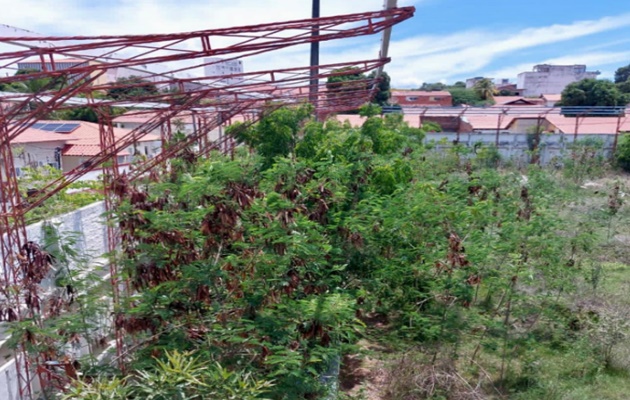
{"x":184,"y":122}
{"x":517,"y":101}
{"x":471,"y":82}
{"x":551,"y":100}
{"x":66,"y":145}
{"x":355,"y":121}
{"x":110,"y":75}
{"x":419,"y":98}
{"x":36,"y":64}
{"x":508,"y":87}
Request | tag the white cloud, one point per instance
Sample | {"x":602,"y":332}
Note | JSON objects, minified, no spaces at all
{"x":80,"y":17}
{"x":115,"y":17}
{"x":426,"y":58}
{"x":416,"y":59}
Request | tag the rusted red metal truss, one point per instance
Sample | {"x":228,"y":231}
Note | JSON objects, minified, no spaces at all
{"x":237,"y":42}
{"x":212,"y":102}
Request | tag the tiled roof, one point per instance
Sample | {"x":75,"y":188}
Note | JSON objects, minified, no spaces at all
{"x":510,"y":100}
{"x":186,"y":118}
{"x":357,"y":120}
{"x":85,"y":150}
{"x":421,"y":93}
{"x":135,"y":117}
{"x":589,"y":125}
{"x":551,"y":97}
{"x":86,"y":133}
{"x":488,"y":121}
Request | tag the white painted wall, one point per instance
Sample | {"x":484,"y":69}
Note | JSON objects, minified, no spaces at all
{"x":88,"y":224}
{"x":553,"y":80}
{"x":35,"y":154}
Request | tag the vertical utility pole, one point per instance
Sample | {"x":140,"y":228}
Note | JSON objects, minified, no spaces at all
{"x":314,"y":56}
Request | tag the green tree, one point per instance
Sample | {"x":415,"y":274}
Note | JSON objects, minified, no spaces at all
{"x":275,"y":135}
{"x":132,"y":87}
{"x":465,"y":96}
{"x":485,"y":89}
{"x":34,"y":85}
{"x":622,"y":155}
{"x":344,"y":80}
{"x":624,"y":87}
{"x":592,"y":92}
{"x":622,"y":74}
{"x":430,"y":87}
{"x":622,"y":79}
{"x":384,"y":86}
{"x":506,"y":92}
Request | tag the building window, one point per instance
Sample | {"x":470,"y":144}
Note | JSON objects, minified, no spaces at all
{"x":412,"y":98}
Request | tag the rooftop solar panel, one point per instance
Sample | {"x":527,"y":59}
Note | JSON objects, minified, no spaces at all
{"x":56,"y":127}
{"x":67,"y":128}
{"x":49,"y":127}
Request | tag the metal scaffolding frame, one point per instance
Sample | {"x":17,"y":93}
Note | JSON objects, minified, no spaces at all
{"x":209,"y":99}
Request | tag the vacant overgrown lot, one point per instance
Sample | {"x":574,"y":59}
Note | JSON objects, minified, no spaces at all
{"x":420,"y":274}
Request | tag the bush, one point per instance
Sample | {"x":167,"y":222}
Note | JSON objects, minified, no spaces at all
{"x":622,"y":156}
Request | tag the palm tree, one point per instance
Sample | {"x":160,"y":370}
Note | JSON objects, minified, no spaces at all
{"x":485,"y":89}
{"x":35,"y":85}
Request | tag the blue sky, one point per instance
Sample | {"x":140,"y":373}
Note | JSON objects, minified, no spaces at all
{"x":460,"y":39}
{"x":447,"y":40}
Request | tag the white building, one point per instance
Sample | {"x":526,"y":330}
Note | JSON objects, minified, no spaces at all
{"x":111,"y":74}
{"x":471,"y":82}
{"x":66,"y":145}
{"x":551,"y":79}
{"x":219,"y":67}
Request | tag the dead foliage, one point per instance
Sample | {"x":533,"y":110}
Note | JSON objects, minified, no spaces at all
{"x":409,"y":378}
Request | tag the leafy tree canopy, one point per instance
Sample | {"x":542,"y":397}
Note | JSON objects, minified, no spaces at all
{"x":465,"y":96}
{"x":384,"y":89}
{"x":132,"y":87}
{"x":437,"y":86}
{"x":485,"y":89}
{"x":592,"y":92}
{"x":622,"y":74}
{"x":34,"y":85}
{"x":430,"y":87}
{"x":624,"y":87}
{"x":623,"y":152}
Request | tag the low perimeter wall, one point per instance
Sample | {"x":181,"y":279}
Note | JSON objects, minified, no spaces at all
{"x":87,"y":227}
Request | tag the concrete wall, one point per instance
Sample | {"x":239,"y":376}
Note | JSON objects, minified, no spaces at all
{"x":8,"y":381}
{"x":514,"y":147}
{"x":86,"y":222}
{"x":88,"y":228}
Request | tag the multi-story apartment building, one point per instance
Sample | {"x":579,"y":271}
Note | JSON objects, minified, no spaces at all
{"x":551,"y":79}
{"x":219,"y":67}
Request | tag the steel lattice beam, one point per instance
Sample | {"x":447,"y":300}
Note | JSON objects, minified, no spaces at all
{"x":254,"y":91}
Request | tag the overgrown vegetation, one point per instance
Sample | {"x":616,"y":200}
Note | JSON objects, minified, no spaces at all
{"x":254,"y":276}
{"x":77,"y":195}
